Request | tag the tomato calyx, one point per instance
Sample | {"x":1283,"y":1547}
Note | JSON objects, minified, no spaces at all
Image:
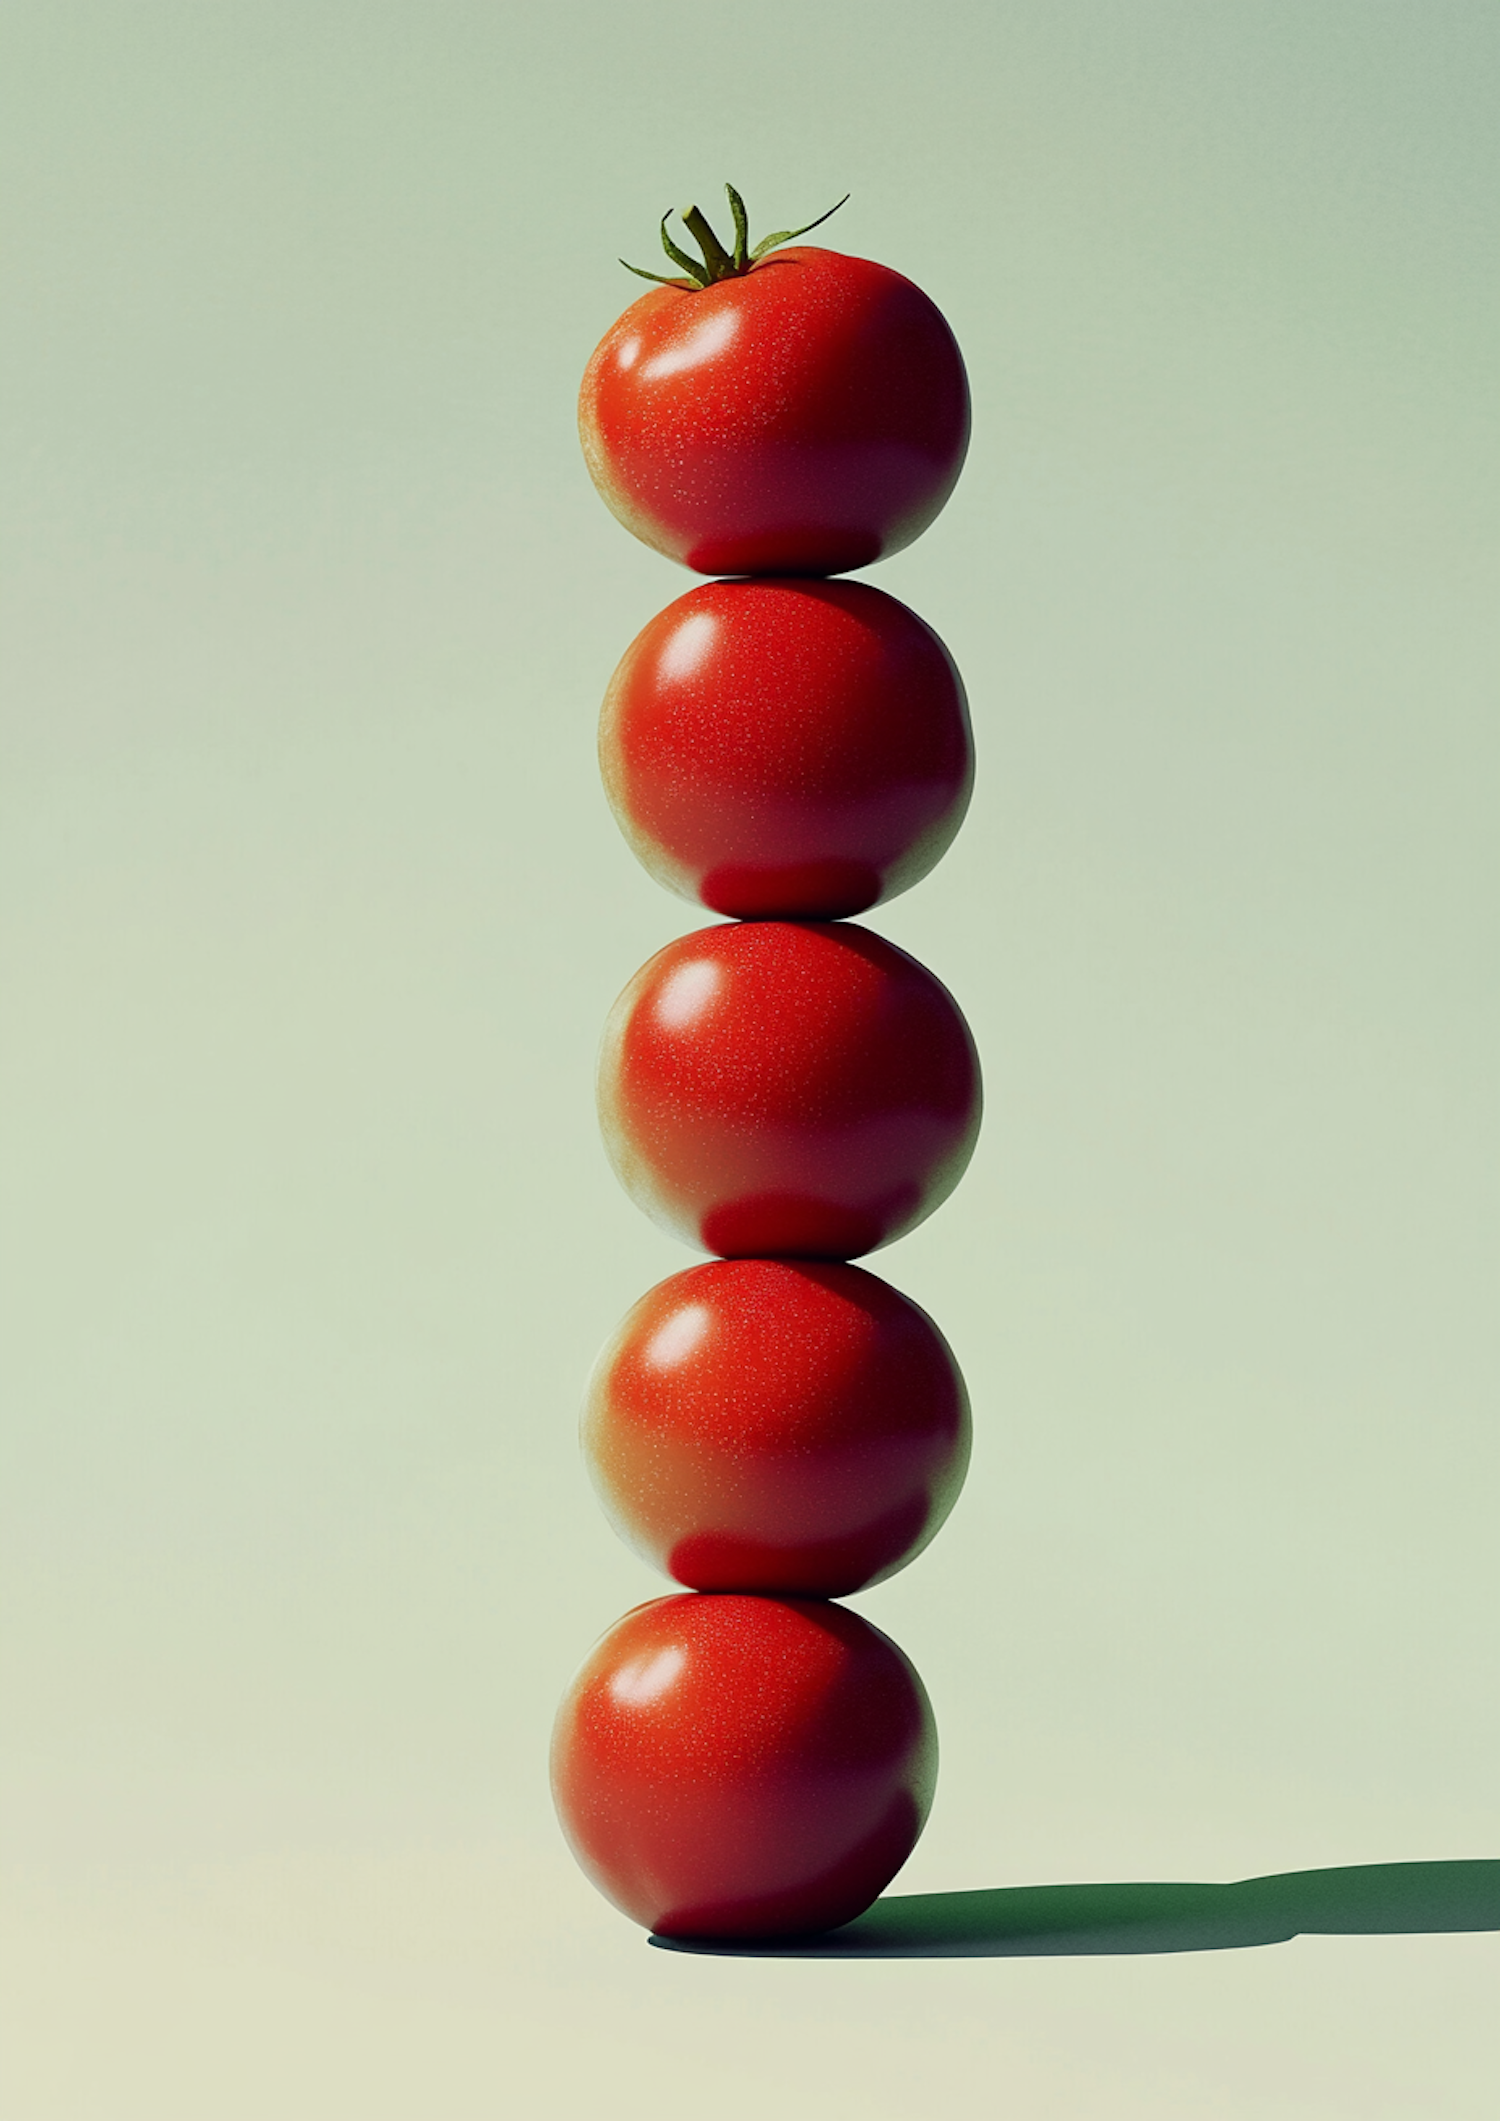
{"x":718,"y":263}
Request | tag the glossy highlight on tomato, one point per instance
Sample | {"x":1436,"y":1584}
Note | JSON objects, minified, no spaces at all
{"x":787,"y":1089}
{"x":730,"y":1766}
{"x":777,"y":1425}
{"x":804,"y":417}
{"x":787,"y":748}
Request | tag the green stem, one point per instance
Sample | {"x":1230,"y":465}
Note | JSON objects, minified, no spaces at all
{"x":720,"y":265}
{"x":699,"y":273}
{"x":741,"y":229}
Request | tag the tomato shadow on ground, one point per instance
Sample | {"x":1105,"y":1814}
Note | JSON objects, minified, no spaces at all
{"x":1075,"y":1921}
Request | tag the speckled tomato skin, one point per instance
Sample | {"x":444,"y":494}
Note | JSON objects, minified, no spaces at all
{"x":806,"y":417}
{"x":777,"y":1425}
{"x":787,"y":748}
{"x":730,"y":1766}
{"x":796,"y":1089}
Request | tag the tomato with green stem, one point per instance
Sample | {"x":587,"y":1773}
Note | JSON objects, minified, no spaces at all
{"x":775,"y":410}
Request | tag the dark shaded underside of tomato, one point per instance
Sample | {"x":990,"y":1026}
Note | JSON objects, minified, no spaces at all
{"x":836,"y":1896}
{"x":831,"y":1568}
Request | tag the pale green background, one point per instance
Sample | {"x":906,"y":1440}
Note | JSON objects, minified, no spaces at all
{"x":314,"y":910}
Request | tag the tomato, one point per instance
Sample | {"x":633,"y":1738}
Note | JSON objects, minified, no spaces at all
{"x":743,"y":1767}
{"x":787,"y":1088}
{"x":803,"y":416}
{"x":777,"y":1425}
{"x":787,"y":747}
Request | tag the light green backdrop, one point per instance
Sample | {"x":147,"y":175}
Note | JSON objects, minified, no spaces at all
{"x":314,"y":910}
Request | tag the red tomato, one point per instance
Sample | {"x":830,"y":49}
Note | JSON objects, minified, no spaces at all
{"x":743,"y":1767}
{"x":793,"y":1088}
{"x":787,"y":748}
{"x":804,"y":417}
{"x":777,"y":1425}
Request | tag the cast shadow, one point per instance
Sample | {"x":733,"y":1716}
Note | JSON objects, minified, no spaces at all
{"x":1071,"y":1921}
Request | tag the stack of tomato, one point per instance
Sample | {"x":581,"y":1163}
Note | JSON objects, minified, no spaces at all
{"x":774,"y":1428}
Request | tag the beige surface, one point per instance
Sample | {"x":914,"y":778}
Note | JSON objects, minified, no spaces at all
{"x":314,"y":910}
